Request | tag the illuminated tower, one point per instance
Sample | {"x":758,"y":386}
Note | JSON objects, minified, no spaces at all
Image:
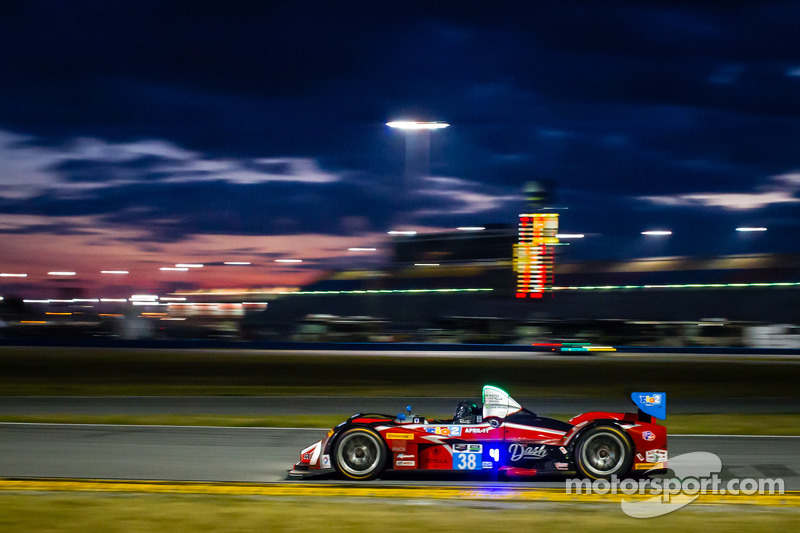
{"x":534,"y":253}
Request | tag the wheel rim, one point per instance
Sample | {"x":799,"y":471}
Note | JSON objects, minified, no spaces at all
{"x":602,"y":453}
{"x":358,"y":454}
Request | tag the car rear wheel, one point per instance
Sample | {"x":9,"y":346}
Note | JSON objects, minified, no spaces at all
{"x":604,"y":451}
{"x":360,"y":454}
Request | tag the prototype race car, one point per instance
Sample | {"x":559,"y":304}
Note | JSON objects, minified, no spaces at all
{"x":498,"y":436}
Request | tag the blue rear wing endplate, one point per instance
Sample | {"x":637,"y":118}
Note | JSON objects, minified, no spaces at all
{"x":651,"y":403}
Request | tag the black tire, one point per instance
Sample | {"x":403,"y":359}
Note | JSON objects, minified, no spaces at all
{"x":360,"y":454}
{"x":604,"y":451}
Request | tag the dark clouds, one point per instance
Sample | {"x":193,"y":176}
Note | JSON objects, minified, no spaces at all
{"x":267,"y":117}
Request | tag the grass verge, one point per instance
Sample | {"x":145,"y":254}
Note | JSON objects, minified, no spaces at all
{"x":715,"y":424}
{"x":121,"y":372}
{"x":160,"y":512}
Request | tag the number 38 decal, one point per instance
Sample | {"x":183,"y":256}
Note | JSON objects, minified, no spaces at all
{"x":466,"y":461}
{"x":467,"y":456}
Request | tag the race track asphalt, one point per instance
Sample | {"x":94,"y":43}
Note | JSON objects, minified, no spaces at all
{"x":265,"y":454}
{"x":326,"y":405}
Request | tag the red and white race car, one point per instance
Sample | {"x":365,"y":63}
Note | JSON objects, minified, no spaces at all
{"x":498,"y":435}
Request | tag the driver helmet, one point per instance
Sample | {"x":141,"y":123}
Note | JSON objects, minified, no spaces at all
{"x":465,"y":409}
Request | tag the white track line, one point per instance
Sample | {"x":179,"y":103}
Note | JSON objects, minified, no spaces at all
{"x":734,"y":436}
{"x":61,"y":424}
{"x":273,"y":428}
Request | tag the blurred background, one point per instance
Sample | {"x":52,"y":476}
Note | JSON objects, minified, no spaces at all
{"x":356,"y":172}
{"x":466,"y":296}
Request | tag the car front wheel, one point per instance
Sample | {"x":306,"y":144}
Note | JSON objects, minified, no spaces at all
{"x":360,"y":454}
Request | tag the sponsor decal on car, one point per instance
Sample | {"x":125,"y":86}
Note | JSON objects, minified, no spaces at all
{"x":487,"y":464}
{"x":406,"y":463}
{"x":326,"y":461}
{"x":477,"y":430}
{"x":647,"y":466}
{"x":399,"y":436}
{"x":651,"y":399}
{"x":466,"y":461}
{"x":519,"y":452}
{"x":400,"y":446}
{"x":447,"y":431}
{"x":649,"y":436}
{"x":437,"y":457}
{"x":656,"y":456}
{"x":310,"y":454}
{"x":405,"y":456}
{"x":468,"y":448}
{"x":651,"y":403}
{"x":561,"y":466}
{"x":491,"y":396}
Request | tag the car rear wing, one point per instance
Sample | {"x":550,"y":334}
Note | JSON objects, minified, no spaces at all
{"x":651,"y":403}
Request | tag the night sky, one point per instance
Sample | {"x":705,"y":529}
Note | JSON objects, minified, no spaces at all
{"x":137,"y":135}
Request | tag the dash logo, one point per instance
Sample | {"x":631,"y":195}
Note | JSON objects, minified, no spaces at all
{"x":520,"y":451}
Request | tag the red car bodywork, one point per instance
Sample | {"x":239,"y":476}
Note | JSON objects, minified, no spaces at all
{"x":520,"y":443}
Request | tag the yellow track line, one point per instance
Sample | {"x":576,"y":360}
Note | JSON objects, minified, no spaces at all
{"x":493,"y":492}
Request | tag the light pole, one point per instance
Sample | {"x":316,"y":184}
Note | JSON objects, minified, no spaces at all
{"x":414,"y":125}
{"x":418,"y":147}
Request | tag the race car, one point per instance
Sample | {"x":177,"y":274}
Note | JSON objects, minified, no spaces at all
{"x":498,"y":436}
